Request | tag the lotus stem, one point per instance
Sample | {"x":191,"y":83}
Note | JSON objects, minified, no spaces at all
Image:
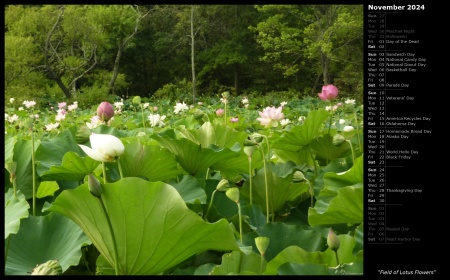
{"x":116,"y":256}
{"x":120,"y":168}
{"x":210,"y":203}
{"x":104,"y":172}
{"x":33,"y":168}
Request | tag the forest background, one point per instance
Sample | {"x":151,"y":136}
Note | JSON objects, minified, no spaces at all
{"x":92,"y":53}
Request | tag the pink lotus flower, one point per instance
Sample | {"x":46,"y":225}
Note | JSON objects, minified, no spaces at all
{"x":105,"y":111}
{"x":270,"y":116}
{"x":329,"y":92}
{"x":220,"y":112}
{"x":234,"y":120}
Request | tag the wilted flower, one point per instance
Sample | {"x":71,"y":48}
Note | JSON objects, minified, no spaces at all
{"x":348,"y":128}
{"x":95,"y":122}
{"x":73,"y":107}
{"x":220,"y":112}
{"x":270,"y":116}
{"x":329,"y":92}
{"x":51,"y":267}
{"x":105,"y":147}
{"x":285,"y":122}
{"x":51,"y":126}
{"x":62,"y":105}
{"x":179,"y":107}
{"x":156,"y":120}
{"x":13,"y":118}
{"x":224,"y":100}
{"x":105,"y":111}
{"x":29,"y":104}
{"x":350,"y":101}
{"x":60,"y":117}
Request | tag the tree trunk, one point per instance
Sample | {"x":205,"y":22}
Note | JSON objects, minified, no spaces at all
{"x":192,"y":56}
{"x":116,"y":66}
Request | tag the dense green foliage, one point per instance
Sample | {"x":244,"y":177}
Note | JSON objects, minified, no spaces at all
{"x":101,"y":52}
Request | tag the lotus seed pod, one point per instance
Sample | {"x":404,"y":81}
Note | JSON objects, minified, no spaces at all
{"x":233,"y":194}
{"x":94,"y":186}
{"x":262,"y":243}
{"x":82,"y":135}
{"x":223,"y":185}
{"x":198,"y":114}
{"x":226,"y":94}
{"x":338,"y":139}
{"x":136,"y":100}
{"x":258,"y":137}
{"x":298,"y":176}
{"x":250,"y":141}
{"x":51,"y":267}
{"x":27,"y":123}
{"x":248,"y":150}
{"x":333,"y":240}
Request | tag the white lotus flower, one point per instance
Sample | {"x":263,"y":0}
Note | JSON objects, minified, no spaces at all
{"x":105,"y":147}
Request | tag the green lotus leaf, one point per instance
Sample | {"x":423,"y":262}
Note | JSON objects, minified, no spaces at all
{"x":193,"y":157}
{"x":72,"y":168}
{"x":44,"y":238}
{"x":51,"y":151}
{"x":301,"y":236}
{"x":346,"y":207}
{"x":47,"y":188}
{"x":213,"y":134}
{"x":280,"y":187}
{"x":16,"y":209}
{"x":24,"y":170}
{"x":304,"y":134}
{"x":152,"y":225}
{"x":295,"y":254}
{"x":149,"y":161}
{"x":190,"y":190}
{"x":237,"y":262}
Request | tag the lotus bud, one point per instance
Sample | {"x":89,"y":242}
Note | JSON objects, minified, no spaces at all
{"x":51,"y":267}
{"x":105,"y":111}
{"x":226,"y":94}
{"x":338,"y":139}
{"x":333,"y":240}
{"x":223,"y":185}
{"x":233,"y":194}
{"x":298,"y":176}
{"x":82,"y":135}
{"x":11,"y":167}
{"x":262,"y":243}
{"x":136,"y":100}
{"x":248,"y":150}
{"x":94,"y":186}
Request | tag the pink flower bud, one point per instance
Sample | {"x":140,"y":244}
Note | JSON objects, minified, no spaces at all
{"x":329,"y":92}
{"x":220,"y":112}
{"x":105,"y":111}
